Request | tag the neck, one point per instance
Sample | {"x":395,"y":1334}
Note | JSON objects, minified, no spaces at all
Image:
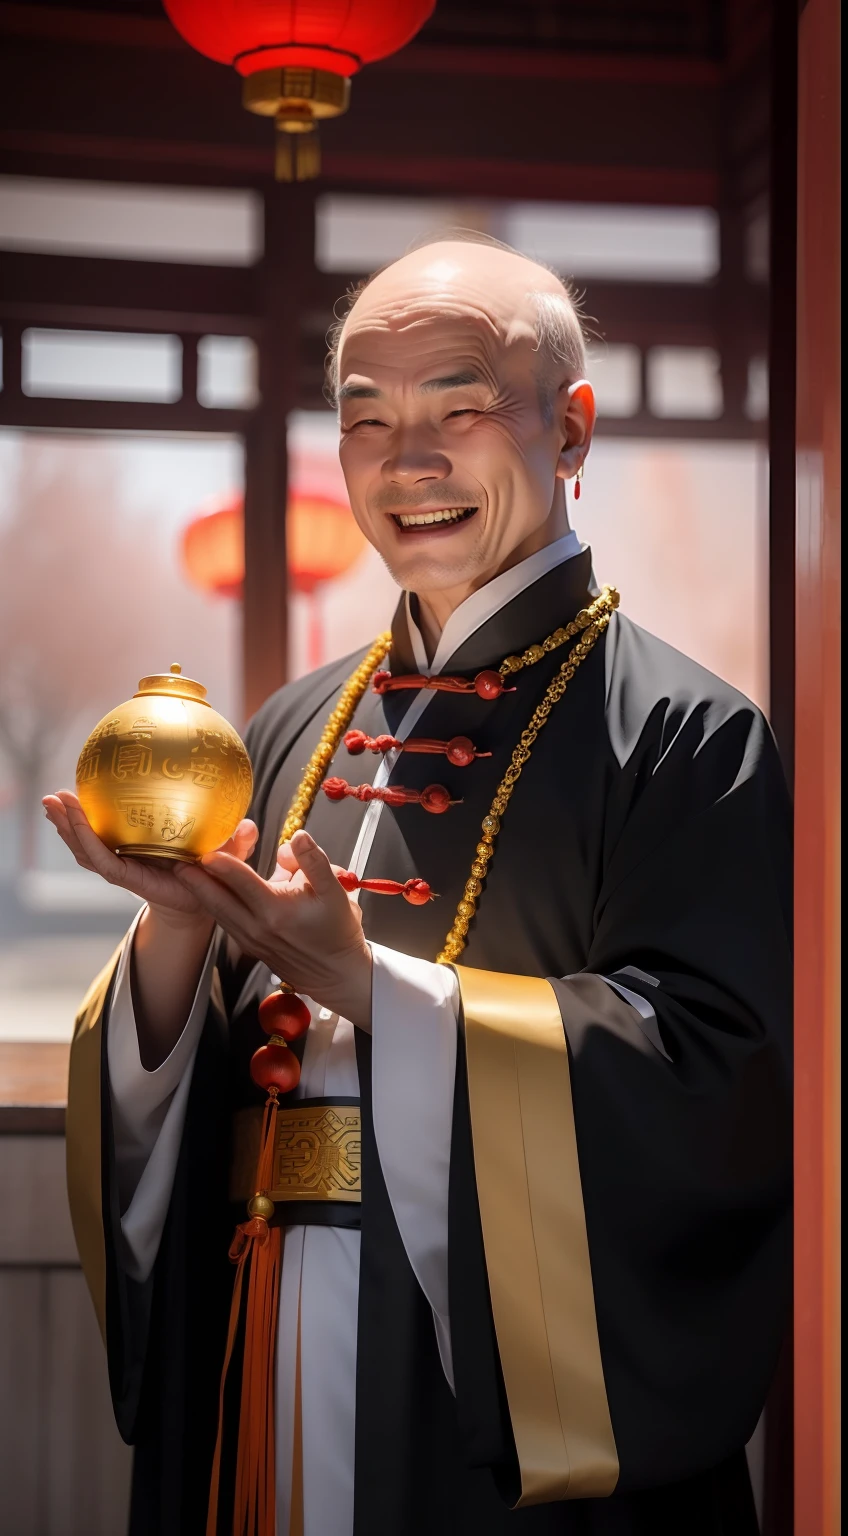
{"x":435,"y":607}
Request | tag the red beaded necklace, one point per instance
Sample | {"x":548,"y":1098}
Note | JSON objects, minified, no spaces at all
{"x":283,"y":1015}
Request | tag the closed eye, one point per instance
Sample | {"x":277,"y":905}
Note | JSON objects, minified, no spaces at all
{"x":466,"y":410}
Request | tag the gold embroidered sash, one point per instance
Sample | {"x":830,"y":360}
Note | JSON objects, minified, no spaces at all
{"x":317,"y":1154}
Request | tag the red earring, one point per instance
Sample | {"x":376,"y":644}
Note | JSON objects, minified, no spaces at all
{"x":577,"y":481}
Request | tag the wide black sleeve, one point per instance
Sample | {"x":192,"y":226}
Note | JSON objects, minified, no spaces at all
{"x":683,"y":1126}
{"x":165,"y":1336}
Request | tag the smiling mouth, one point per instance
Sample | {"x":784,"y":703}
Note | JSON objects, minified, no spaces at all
{"x":441,"y":517}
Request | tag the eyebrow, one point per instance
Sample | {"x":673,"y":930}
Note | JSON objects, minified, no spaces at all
{"x":452,"y":381}
{"x":359,"y":392}
{"x":431,"y":386}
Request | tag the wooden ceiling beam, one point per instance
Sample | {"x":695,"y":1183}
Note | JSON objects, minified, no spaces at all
{"x":64,"y":290}
{"x":50,"y":289}
{"x":83,"y":26}
{"x":565,"y":127}
{"x":46,"y":414}
{"x":92,"y":157}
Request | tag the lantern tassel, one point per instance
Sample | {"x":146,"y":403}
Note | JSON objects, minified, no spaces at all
{"x":298,"y":156}
{"x":308,"y":156}
{"x":283,"y":159}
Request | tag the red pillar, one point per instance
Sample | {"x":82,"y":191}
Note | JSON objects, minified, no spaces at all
{"x":817,"y":771}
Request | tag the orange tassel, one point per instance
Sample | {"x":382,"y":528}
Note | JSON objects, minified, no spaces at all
{"x":255,"y":1250}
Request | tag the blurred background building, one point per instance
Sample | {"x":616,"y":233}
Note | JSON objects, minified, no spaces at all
{"x":164,"y":305}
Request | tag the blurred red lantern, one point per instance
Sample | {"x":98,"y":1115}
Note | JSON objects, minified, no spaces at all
{"x":213,"y":550}
{"x":297,"y":59}
{"x":323,"y":543}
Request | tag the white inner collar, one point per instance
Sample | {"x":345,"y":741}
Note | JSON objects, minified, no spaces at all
{"x":482,"y":605}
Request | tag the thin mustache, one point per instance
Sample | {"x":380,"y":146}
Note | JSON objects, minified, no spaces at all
{"x":401,"y":501}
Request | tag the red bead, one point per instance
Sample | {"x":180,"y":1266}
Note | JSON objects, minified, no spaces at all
{"x":284,"y":1013}
{"x":275,"y":1066}
{"x":334,"y":789}
{"x":488,"y":685}
{"x":417,"y":893}
{"x":460,"y":751}
{"x":435,"y":798}
{"x":356,"y":742}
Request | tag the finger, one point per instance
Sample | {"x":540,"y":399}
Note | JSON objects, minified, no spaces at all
{"x":316,"y":867}
{"x":239,"y":878}
{"x":215,"y":897}
{"x":107,"y":863}
{"x":68,"y":798}
{"x":243,"y":840}
{"x":56,"y":815}
{"x":286,"y":859}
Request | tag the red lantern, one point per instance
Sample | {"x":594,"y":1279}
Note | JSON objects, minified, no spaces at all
{"x":213,"y":550}
{"x":297,"y":59}
{"x":323,"y":542}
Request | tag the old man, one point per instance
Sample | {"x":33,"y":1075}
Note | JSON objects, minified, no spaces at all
{"x":530,"y":1194}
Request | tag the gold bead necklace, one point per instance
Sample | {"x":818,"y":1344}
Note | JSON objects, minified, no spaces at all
{"x":589,"y":623}
{"x":340,"y":718}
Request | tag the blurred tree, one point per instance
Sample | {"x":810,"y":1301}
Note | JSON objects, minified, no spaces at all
{"x":84,"y":585}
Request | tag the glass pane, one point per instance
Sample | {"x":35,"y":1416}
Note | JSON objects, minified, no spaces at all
{"x":213,"y":227}
{"x":102,"y":365}
{"x":679,"y":244}
{"x":682,"y":530}
{"x":684,"y":381}
{"x":616,"y":378}
{"x":357,"y":234}
{"x":92,"y":597}
{"x":227,"y":372}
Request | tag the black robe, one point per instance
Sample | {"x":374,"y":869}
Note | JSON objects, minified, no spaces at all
{"x":650,"y":830}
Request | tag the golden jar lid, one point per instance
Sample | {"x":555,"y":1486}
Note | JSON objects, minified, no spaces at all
{"x":174,"y":685}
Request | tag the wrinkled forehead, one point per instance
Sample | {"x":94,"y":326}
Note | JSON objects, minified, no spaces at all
{"x":403,"y":318}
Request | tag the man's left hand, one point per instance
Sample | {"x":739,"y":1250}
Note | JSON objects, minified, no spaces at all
{"x":300,"y":923}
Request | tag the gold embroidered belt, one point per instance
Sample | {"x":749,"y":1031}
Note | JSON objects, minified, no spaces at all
{"x":316,"y":1157}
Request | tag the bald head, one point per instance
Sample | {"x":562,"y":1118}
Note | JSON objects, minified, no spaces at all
{"x":517,"y":295}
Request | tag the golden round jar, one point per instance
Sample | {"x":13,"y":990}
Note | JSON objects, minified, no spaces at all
{"x":163,"y":776}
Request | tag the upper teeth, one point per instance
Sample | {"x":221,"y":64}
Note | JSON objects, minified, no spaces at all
{"x":445,"y":515}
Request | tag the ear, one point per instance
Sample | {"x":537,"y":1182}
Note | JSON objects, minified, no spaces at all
{"x":576,"y":413}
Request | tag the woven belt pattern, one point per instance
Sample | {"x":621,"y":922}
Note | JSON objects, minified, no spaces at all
{"x":317,"y":1156}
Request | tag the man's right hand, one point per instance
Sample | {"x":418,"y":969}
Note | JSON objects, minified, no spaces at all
{"x":152,"y":880}
{"x":173,"y":934}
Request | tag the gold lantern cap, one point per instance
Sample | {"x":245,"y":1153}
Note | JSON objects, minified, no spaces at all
{"x":173,"y":685}
{"x":296,"y":97}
